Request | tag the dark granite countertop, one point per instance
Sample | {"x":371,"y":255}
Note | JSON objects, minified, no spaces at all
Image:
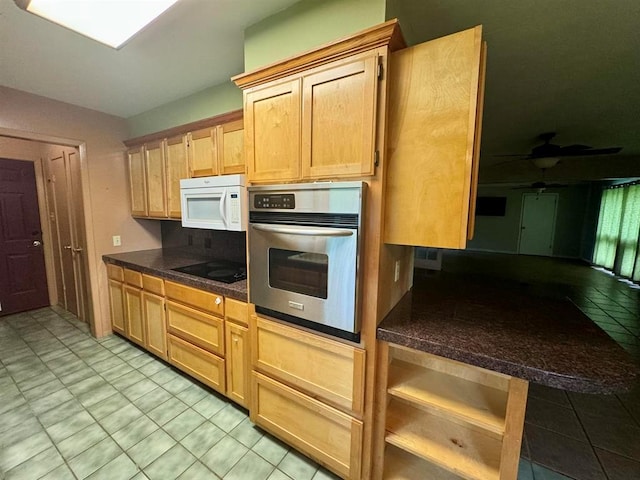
{"x":159,"y":262}
{"x":544,"y":340}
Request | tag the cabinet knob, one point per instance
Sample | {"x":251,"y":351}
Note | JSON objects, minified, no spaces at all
{"x":218,"y":300}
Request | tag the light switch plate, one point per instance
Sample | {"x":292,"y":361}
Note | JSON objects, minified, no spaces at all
{"x":116,"y":241}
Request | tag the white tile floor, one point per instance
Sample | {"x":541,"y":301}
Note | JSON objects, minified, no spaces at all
{"x":73,"y":407}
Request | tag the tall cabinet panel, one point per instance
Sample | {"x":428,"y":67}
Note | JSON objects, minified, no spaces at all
{"x":156,"y":194}
{"x":339,"y":118}
{"x":138,"y":182}
{"x":177,"y":169}
{"x":435,"y":99}
{"x":272,"y":131}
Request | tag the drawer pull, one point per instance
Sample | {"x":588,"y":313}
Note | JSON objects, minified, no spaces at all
{"x":218,"y":301}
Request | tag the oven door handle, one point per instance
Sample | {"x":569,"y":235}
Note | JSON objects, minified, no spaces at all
{"x":306,"y":231}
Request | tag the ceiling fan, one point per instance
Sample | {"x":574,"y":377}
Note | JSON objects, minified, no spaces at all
{"x":540,"y":186}
{"x":547,"y":154}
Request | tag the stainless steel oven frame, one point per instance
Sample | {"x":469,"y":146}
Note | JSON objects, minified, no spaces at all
{"x":312,"y":233}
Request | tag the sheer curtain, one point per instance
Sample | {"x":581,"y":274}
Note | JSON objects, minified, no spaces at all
{"x":618,"y":231}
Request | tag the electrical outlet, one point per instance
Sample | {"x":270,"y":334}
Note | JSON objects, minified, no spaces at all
{"x":116,"y":241}
{"x":396,"y":273}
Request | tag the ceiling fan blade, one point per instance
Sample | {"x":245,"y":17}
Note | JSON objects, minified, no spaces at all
{"x":591,"y":151}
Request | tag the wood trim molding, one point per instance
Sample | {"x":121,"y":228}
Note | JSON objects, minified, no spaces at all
{"x":387,"y":33}
{"x":188,"y":127}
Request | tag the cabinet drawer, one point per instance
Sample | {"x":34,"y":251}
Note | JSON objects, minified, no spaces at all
{"x":236,"y":311}
{"x":132,"y":277}
{"x":153,"y":284}
{"x":322,"y":367}
{"x":115,"y":273}
{"x":207,"y":301}
{"x":197,"y":327}
{"x":327,"y":435}
{"x":198,"y":363}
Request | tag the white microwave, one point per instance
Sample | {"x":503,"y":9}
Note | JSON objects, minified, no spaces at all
{"x":215,"y":203}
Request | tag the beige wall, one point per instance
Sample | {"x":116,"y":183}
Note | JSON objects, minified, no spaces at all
{"x":105,"y":184}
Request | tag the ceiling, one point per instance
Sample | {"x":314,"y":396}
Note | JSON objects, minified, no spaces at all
{"x":571,"y":67}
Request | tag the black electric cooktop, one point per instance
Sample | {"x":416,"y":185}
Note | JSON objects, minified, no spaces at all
{"x":218,"y":270}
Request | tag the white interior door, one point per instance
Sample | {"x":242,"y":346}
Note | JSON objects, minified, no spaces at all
{"x":537,"y":223}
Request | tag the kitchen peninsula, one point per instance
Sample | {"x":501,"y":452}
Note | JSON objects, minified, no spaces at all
{"x":454,"y":363}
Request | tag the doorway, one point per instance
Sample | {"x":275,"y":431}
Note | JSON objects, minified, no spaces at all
{"x":537,"y":223}
{"x":62,"y":170}
{"x":23,"y":278}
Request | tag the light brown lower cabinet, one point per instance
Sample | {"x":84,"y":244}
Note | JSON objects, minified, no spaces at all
{"x":237,"y":361}
{"x":326,"y":434}
{"x":197,"y":362}
{"x":155,"y":324}
{"x":447,"y":420}
{"x":133,"y":314}
{"x":324,"y":368}
{"x":116,"y":303}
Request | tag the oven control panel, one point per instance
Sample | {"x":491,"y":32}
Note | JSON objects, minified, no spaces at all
{"x":275,"y":201}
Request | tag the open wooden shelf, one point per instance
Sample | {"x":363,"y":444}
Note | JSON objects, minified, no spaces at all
{"x":448,"y":395}
{"x":462,"y":449}
{"x":401,"y":465}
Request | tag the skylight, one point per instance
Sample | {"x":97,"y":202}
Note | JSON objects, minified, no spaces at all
{"x":111,"y":22}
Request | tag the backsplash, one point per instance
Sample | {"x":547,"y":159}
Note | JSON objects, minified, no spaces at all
{"x":214,"y":243}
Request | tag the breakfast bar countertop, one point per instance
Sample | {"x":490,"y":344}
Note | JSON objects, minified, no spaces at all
{"x":159,"y":262}
{"x":540,"y":339}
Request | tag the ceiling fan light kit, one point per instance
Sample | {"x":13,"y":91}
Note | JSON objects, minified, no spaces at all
{"x":545,"y":162}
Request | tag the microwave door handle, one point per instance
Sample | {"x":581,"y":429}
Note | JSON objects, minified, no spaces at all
{"x":306,"y":231}
{"x":222,"y":208}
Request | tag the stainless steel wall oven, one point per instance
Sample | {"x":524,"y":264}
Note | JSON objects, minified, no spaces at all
{"x":304,"y":246}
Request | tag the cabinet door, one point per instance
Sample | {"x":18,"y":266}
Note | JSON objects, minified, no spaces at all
{"x":339,"y":119}
{"x":137,"y":182}
{"x":325,"y":434}
{"x":200,"y":364}
{"x":156,"y":185}
{"x":197,"y":327}
{"x":155,"y":324}
{"x":133,"y":314}
{"x":177,"y":169}
{"x":116,"y":302}
{"x":329,"y":370}
{"x":237,"y":362}
{"x":203,"y":153}
{"x":272,"y":131}
{"x":231,"y":147}
{"x":435,"y":99}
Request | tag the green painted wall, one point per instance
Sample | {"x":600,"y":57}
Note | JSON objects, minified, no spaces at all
{"x":303,"y":26}
{"x":207,"y":103}
{"x":306,"y":25}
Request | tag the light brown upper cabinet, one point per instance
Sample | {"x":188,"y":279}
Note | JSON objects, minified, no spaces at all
{"x":203,"y":152}
{"x":435,"y":111}
{"x":338,"y":118}
{"x":156,"y":183}
{"x":177,"y":168}
{"x":137,"y":182}
{"x":272,"y":131}
{"x":231,"y":147}
{"x":316,"y":124}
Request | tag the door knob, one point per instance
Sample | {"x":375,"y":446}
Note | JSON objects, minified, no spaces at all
{"x":37,"y":243}
{"x":76,"y":250}
{"x":67,"y":247}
